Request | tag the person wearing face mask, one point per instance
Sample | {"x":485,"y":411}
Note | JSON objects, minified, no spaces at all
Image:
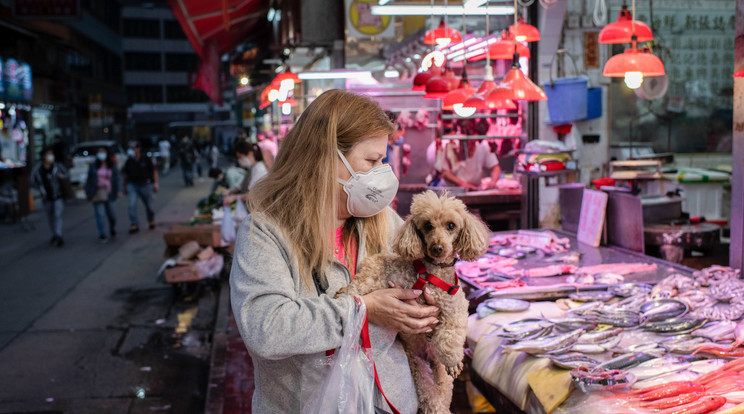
{"x":101,"y":189}
{"x":140,"y":179}
{"x":46,"y":178}
{"x":322,"y":208}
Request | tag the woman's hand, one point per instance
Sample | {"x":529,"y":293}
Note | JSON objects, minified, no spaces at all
{"x":397,"y":309}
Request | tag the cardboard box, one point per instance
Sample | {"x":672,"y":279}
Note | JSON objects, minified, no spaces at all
{"x":180,"y":274}
{"x":204,"y":234}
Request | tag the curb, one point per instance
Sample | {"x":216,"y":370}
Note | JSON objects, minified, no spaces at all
{"x":217,"y":368}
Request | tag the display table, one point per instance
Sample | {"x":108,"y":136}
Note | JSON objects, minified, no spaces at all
{"x":502,"y":376}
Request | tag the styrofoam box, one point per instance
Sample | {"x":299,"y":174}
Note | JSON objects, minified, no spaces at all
{"x":699,"y":198}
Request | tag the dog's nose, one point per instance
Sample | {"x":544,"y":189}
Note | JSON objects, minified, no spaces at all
{"x":437,"y":250}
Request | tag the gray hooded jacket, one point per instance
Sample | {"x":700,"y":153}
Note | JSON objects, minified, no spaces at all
{"x":287,"y":326}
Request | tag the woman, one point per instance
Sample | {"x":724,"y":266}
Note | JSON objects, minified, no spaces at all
{"x":285,"y":272}
{"x":102,"y":188}
{"x":250,"y":158}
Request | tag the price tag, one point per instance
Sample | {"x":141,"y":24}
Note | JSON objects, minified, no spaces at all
{"x":591,"y":220}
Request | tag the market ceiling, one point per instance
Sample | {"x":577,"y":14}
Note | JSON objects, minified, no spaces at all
{"x":228,"y":22}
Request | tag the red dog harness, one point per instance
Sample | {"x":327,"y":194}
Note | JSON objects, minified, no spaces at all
{"x":425,"y":277}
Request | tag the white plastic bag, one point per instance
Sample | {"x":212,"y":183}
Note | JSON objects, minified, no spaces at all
{"x":349,"y":386}
{"x":240,"y":211}
{"x":228,"y":226}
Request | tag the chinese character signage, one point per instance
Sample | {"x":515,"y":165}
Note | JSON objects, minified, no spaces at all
{"x":17,"y":83}
{"x":46,"y":9}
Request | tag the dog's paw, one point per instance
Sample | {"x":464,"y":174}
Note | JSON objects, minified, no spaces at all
{"x":455,"y":370}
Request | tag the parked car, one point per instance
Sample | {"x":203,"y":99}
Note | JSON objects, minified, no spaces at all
{"x":85,"y":153}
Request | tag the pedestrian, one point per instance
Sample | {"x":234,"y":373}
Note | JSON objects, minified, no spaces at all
{"x":301,"y":243}
{"x":47,"y":179}
{"x":165,"y":148}
{"x":187,"y":157}
{"x":214,"y":154}
{"x":140,"y":180}
{"x":102,"y":189}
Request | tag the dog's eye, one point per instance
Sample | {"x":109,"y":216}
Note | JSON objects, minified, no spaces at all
{"x":428,"y":226}
{"x":450,"y":226}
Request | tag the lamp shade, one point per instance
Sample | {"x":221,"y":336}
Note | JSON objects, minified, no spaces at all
{"x":458,"y":96}
{"x":493,"y":101}
{"x":476,"y":100}
{"x":420,"y":80}
{"x":634,"y":60}
{"x":621,"y":31}
{"x":517,"y":87}
{"x":436,"y":88}
{"x":442,"y":35}
{"x":739,"y":74}
{"x":284,"y":76}
{"x":452,"y":81}
{"x":504,"y":48}
{"x":524,"y":32}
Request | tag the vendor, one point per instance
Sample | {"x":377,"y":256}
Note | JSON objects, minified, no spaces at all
{"x":467,"y":171}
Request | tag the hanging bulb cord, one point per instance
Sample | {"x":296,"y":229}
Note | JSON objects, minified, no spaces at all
{"x":600,"y":12}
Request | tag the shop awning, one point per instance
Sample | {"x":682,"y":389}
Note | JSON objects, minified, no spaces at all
{"x":227,"y":22}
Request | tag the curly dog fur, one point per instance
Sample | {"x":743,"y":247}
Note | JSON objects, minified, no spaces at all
{"x":438,"y":230}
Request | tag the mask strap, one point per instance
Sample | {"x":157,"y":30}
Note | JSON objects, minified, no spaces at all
{"x":348,"y":166}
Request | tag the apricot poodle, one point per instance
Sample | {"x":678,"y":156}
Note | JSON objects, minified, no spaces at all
{"x":438,"y":232}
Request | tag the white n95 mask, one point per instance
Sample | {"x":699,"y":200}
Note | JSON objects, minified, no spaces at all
{"x":370,"y":192}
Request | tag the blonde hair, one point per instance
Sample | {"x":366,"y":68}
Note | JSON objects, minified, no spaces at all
{"x":300,"y":192}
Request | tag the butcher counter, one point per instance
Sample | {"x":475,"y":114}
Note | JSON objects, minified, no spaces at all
{"x":502,"y":376}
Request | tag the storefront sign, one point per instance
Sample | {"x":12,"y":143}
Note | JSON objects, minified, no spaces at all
{"x":46,"y":9}
{"x":591,"y":50}
{"x":17,"y":83}
{"x":361,"y":23}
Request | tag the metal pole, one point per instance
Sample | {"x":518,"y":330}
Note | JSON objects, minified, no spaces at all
{"x":737,"y":177}
{"x":531,"y":195}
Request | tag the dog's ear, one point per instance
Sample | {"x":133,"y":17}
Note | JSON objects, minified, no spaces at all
{"x":472,"y":242}
{"x":407,"y":242}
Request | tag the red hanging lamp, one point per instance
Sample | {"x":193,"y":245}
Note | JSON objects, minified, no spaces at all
{"x":420,"y":80}
{"x":516,"y":86}
{"x":634,"y":64}
{"x":621,"y":31}
{"x":524,"y":32}
{"x":286,"y":75}
{"x":436,"y":88}
{"x":739,"y":74}
{"x":459,"y":95}
{"x":442,"y":35}
{"x":504,"y":47}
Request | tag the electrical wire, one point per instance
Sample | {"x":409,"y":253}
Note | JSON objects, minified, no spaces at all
{"x":600,"y":12}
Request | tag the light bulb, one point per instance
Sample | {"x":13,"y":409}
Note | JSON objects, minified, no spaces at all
{"x":273,"y":95}
{"x":521,"y":38}
{"x":286,"y":109}
{"x":286,"y":84}
{"x":435,"y":58}
{"x":244,"y":80}
{"x":633,"y":80}
{"x":463,"y":111}
{"x":443,"y":41}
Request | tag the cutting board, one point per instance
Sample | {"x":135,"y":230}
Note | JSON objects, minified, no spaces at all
{"x":551,"y":386}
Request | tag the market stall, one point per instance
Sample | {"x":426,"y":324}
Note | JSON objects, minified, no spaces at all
{"x":558,"y":320}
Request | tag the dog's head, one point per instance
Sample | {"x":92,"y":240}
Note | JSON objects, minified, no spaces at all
{"x":441,"y":228}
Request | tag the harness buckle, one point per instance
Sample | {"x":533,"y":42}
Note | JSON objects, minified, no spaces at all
{"x":453,"y":287}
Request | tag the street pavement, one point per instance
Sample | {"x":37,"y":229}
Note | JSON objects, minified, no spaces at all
{"x":92,"y":328}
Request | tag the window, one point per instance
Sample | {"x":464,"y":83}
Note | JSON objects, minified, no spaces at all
{"x":142,"y":61}
{"x":145,"y":28}
{"x":181,"y":62}
{"x":144,"y":94}
{"x":184,"y":93}
{"x":172,"y":30}
{"x":696,"y":44}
